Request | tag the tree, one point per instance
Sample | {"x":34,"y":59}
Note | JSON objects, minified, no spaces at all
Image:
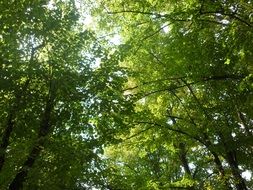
{"x":191,"y":79}
{"x":52,"y":97}
{"x":168,"y":108}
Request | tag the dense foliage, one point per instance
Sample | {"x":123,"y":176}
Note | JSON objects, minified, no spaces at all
{"x":170,"y":107}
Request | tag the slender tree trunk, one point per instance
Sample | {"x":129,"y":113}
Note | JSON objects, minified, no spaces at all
{"x":218,"y":164}
{"x":10,"y":123}
{"x":44,"y":130}
{"x":230,"y":156}
{"x":184,"y":161}
{"x":232,"y":161}
{"x":5,"y":139}
{"x":244,"y":123}
{"x":221,"y":170}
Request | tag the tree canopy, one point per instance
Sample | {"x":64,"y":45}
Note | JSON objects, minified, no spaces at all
{"x":144,"y":95}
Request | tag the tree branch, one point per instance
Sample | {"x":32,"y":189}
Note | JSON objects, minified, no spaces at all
{"x":233,"y":15}
{"x":154,"y":81}
{"x":156,"y":15}
{"x":171,"y":129}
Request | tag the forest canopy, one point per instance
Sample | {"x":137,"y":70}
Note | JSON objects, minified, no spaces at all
{"x":126,"y":94}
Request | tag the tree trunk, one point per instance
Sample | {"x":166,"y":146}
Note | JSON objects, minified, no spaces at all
{"x":44,"y":130}
{"x":10,"y":123}
{"x":230,"y":156}
{"x":218,"y":163}
{"x":232,"y":161}
{"x":184,"y":161}
{"x":221,"y":170}
{"x":5,"y":139}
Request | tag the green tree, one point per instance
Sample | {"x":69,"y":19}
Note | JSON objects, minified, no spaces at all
{"x":52,"y":97}
{"x":191,"y":77}
{"x":168,"y":108}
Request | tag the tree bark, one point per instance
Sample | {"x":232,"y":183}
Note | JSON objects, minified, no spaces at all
{"x":184,"y":161}
{"x":44,"y":130}
{"x":10,"y":123}
{"x":5,"y":139}
{"x":10,"y":120}
{"x":218,"y":164}
{"x":230,"y":156}
{"x":232,"y":161}
{"x":221,"y":170}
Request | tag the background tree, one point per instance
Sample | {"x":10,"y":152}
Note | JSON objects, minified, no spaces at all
{"x":191,"y":77}
{"x":168,"y":108}
{"x":52,"y":97}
